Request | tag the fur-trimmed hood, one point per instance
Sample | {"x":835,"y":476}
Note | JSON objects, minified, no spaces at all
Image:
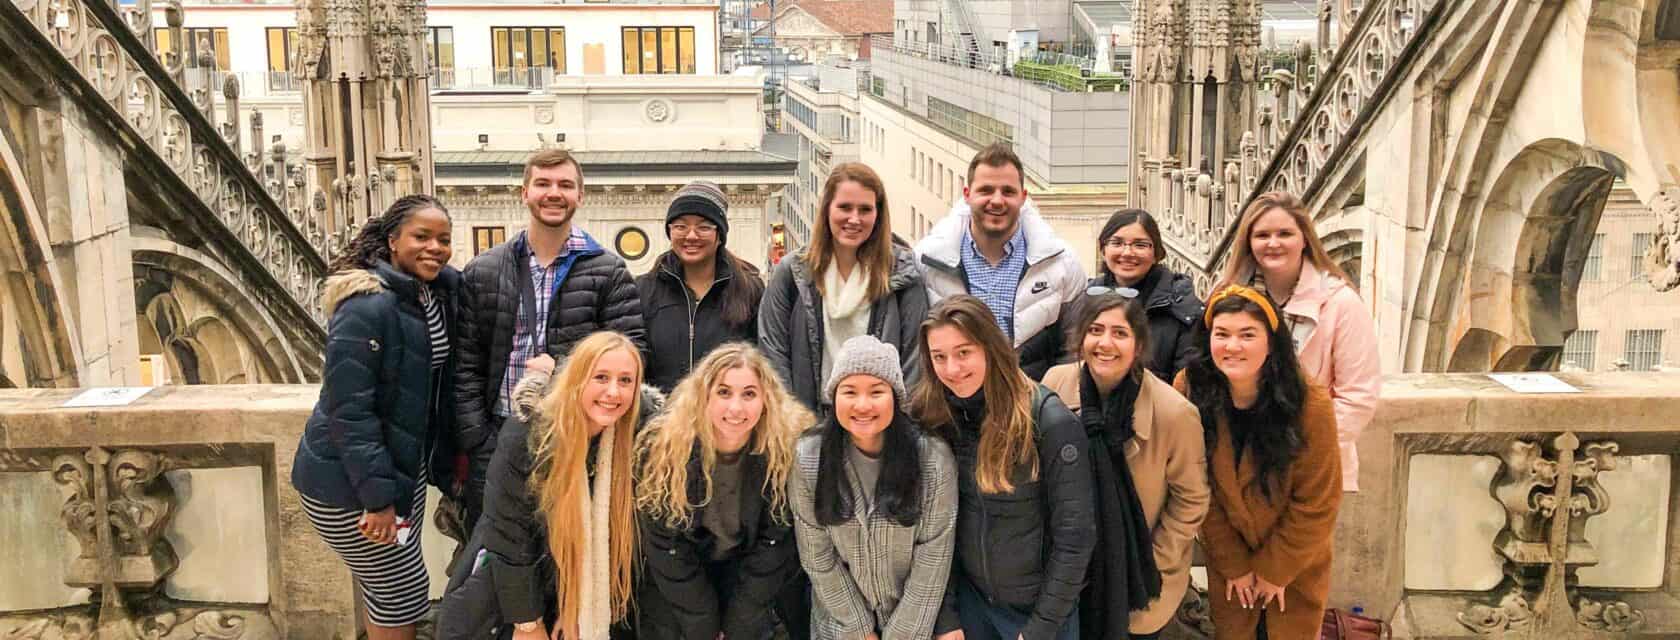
{"x":349,"y":283}
{"x":346,"y":284}
{"x":534,"y":384}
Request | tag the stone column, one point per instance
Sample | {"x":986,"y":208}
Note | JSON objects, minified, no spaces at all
{"x":87,"y":214}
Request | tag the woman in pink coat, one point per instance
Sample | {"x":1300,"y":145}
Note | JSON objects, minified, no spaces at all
{"x":1279,"y":253}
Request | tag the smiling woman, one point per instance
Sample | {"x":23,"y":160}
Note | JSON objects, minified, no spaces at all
{"x":378,"y":434}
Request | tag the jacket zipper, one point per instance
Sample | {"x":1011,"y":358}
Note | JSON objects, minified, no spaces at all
{"x":985,"y":531}
{"x":693,"y":308}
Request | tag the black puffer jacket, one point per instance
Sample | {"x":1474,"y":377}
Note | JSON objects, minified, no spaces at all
{"x":1171,"y":305}
{"x":375,"y":423}
{"x":1054,"y":515}
{"x":514,"y":533}
{"x":681,"y":333}
{"x":597,"y":294}
{"x":690,"y":596}
{"x":790,"y":327}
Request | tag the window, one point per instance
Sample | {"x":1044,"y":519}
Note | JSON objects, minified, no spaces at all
{"x":1643,"y":349}
{"x":968,"y":124}
{"x":802,"y":112}
{"x":1581,"y":349}
{"x":442,"y":45}
{"x":282,"y":45}
{"x":1594,"y":267}
{"x":653,"y":50}
{"x":521,"y":53}
{"x":211,"y":40}
{"x":486,"y":237}
{"x":1641,"y":242}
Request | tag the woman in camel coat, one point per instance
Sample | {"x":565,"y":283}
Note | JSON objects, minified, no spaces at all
{"x":1276,"y":471}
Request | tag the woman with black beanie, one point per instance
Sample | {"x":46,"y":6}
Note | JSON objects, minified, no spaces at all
{"x":698,"y":295}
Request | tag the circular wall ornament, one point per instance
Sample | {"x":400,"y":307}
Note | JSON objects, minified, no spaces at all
{"x":545,"y":115}
{"x":631,"y":243}
{"x":659,"y":110}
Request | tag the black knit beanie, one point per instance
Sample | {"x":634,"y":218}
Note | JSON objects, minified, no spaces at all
{"x":704,"y":199}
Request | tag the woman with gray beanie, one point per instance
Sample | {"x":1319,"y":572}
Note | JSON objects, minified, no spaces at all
{"x":875,"y":506}
{"x":698,"y":295}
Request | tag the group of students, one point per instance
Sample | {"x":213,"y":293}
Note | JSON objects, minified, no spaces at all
{"x":964,"y":439}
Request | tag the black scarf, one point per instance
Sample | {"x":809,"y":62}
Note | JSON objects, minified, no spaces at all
{"x":1122,"y":574}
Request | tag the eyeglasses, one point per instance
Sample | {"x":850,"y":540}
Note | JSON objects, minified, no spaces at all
{"x":1136,"y":246}
{"x":1124,"y":292}
{"x":682,"y":228}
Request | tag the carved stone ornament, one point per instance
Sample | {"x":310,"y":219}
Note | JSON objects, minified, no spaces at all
{"x":545,"y":115}
{"x":659,"y":110}
{"x":1662,"y":258}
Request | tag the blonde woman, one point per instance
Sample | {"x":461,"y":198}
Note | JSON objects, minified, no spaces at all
{"x":1278,"y":253}
{"x":559,"y":528}
{"x":716,"y":531}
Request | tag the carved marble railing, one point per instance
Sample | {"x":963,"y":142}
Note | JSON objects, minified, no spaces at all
{"x":1308,"y":119}
{"x":167,"y":113}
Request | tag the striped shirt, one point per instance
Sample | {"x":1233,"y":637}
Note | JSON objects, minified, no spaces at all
{"x":529,"y":334}
{"x":996,"y":284}
{"x":436,"y":328}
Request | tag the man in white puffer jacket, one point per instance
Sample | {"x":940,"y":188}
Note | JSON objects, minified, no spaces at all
{"x":996,"y":247}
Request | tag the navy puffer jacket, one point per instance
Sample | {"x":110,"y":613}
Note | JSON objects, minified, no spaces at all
{"x":381,"y":413}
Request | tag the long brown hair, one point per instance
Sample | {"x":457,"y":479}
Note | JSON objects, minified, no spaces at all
{"x":876,"y":254}
{"x":1006,"y":434}
{"x":560,"y":480}
{"x":1242,"y":254}
{"x":666,"y":445}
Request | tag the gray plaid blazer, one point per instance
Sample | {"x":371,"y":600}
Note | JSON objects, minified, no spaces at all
{"x":871,"y":575}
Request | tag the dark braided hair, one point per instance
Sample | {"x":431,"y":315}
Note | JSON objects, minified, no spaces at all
{"x":373,"y":243}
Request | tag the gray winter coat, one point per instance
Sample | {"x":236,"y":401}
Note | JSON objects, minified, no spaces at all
{"x":790,"y":324}
{"x":870,"y":574}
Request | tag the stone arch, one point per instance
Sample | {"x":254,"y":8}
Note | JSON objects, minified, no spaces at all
{"x":38,"y":345}
{"x":1530,"y":243}
{"x":232,"y":335}
{"x":164,"y":332}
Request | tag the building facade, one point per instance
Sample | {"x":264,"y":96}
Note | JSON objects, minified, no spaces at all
{"x":634,"y":89}
{"x":1623,"y":323}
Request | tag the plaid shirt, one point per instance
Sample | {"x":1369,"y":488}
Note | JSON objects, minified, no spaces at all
{"x":996,"y":285}
{"x":529,"y":334}
{"x":868,"y":574}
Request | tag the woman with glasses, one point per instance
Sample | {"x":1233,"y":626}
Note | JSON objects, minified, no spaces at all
{"x":854,"y":279}
{"x":1149,"y":458}
{"x":1131,"y":251}
{"x":699,"y":295}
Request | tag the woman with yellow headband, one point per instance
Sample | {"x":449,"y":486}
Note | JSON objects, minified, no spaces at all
{"x":1278,"y":253}
{"x":1275,"y":469}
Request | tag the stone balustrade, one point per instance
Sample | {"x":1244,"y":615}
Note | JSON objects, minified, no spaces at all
{"x":171,"y":119}
{"x":1482,"y":511}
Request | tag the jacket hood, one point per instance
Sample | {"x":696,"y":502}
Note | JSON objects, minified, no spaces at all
{"x":346,"y":284}
{"x":529,"y":391}
{"x":349,"y":283}
{"x":904,"y":270}
{"x":943,"y":243}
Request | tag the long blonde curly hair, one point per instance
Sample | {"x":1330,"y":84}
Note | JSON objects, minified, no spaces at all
{"x":560,"y":480}
{"x":667,"y":444}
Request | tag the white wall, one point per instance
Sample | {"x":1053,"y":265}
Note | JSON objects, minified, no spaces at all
{"x":471,"y":24}
{"x":890,"y":141}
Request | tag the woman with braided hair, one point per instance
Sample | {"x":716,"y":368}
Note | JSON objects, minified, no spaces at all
{"x":376,"y":436}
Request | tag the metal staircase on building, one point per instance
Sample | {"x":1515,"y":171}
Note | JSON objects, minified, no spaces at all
{"x":967,"y":30}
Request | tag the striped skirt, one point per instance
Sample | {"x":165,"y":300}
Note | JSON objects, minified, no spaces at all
{"x":392,"y":576}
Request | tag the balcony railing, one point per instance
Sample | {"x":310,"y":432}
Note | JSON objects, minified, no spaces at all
{"x":190,"y":134}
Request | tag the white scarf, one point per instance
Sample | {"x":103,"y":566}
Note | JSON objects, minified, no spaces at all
{"x":595,"y":611}
{"x":845,"y":311}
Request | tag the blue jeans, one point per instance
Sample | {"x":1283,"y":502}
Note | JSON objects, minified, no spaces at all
{"x":984,"y":621}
